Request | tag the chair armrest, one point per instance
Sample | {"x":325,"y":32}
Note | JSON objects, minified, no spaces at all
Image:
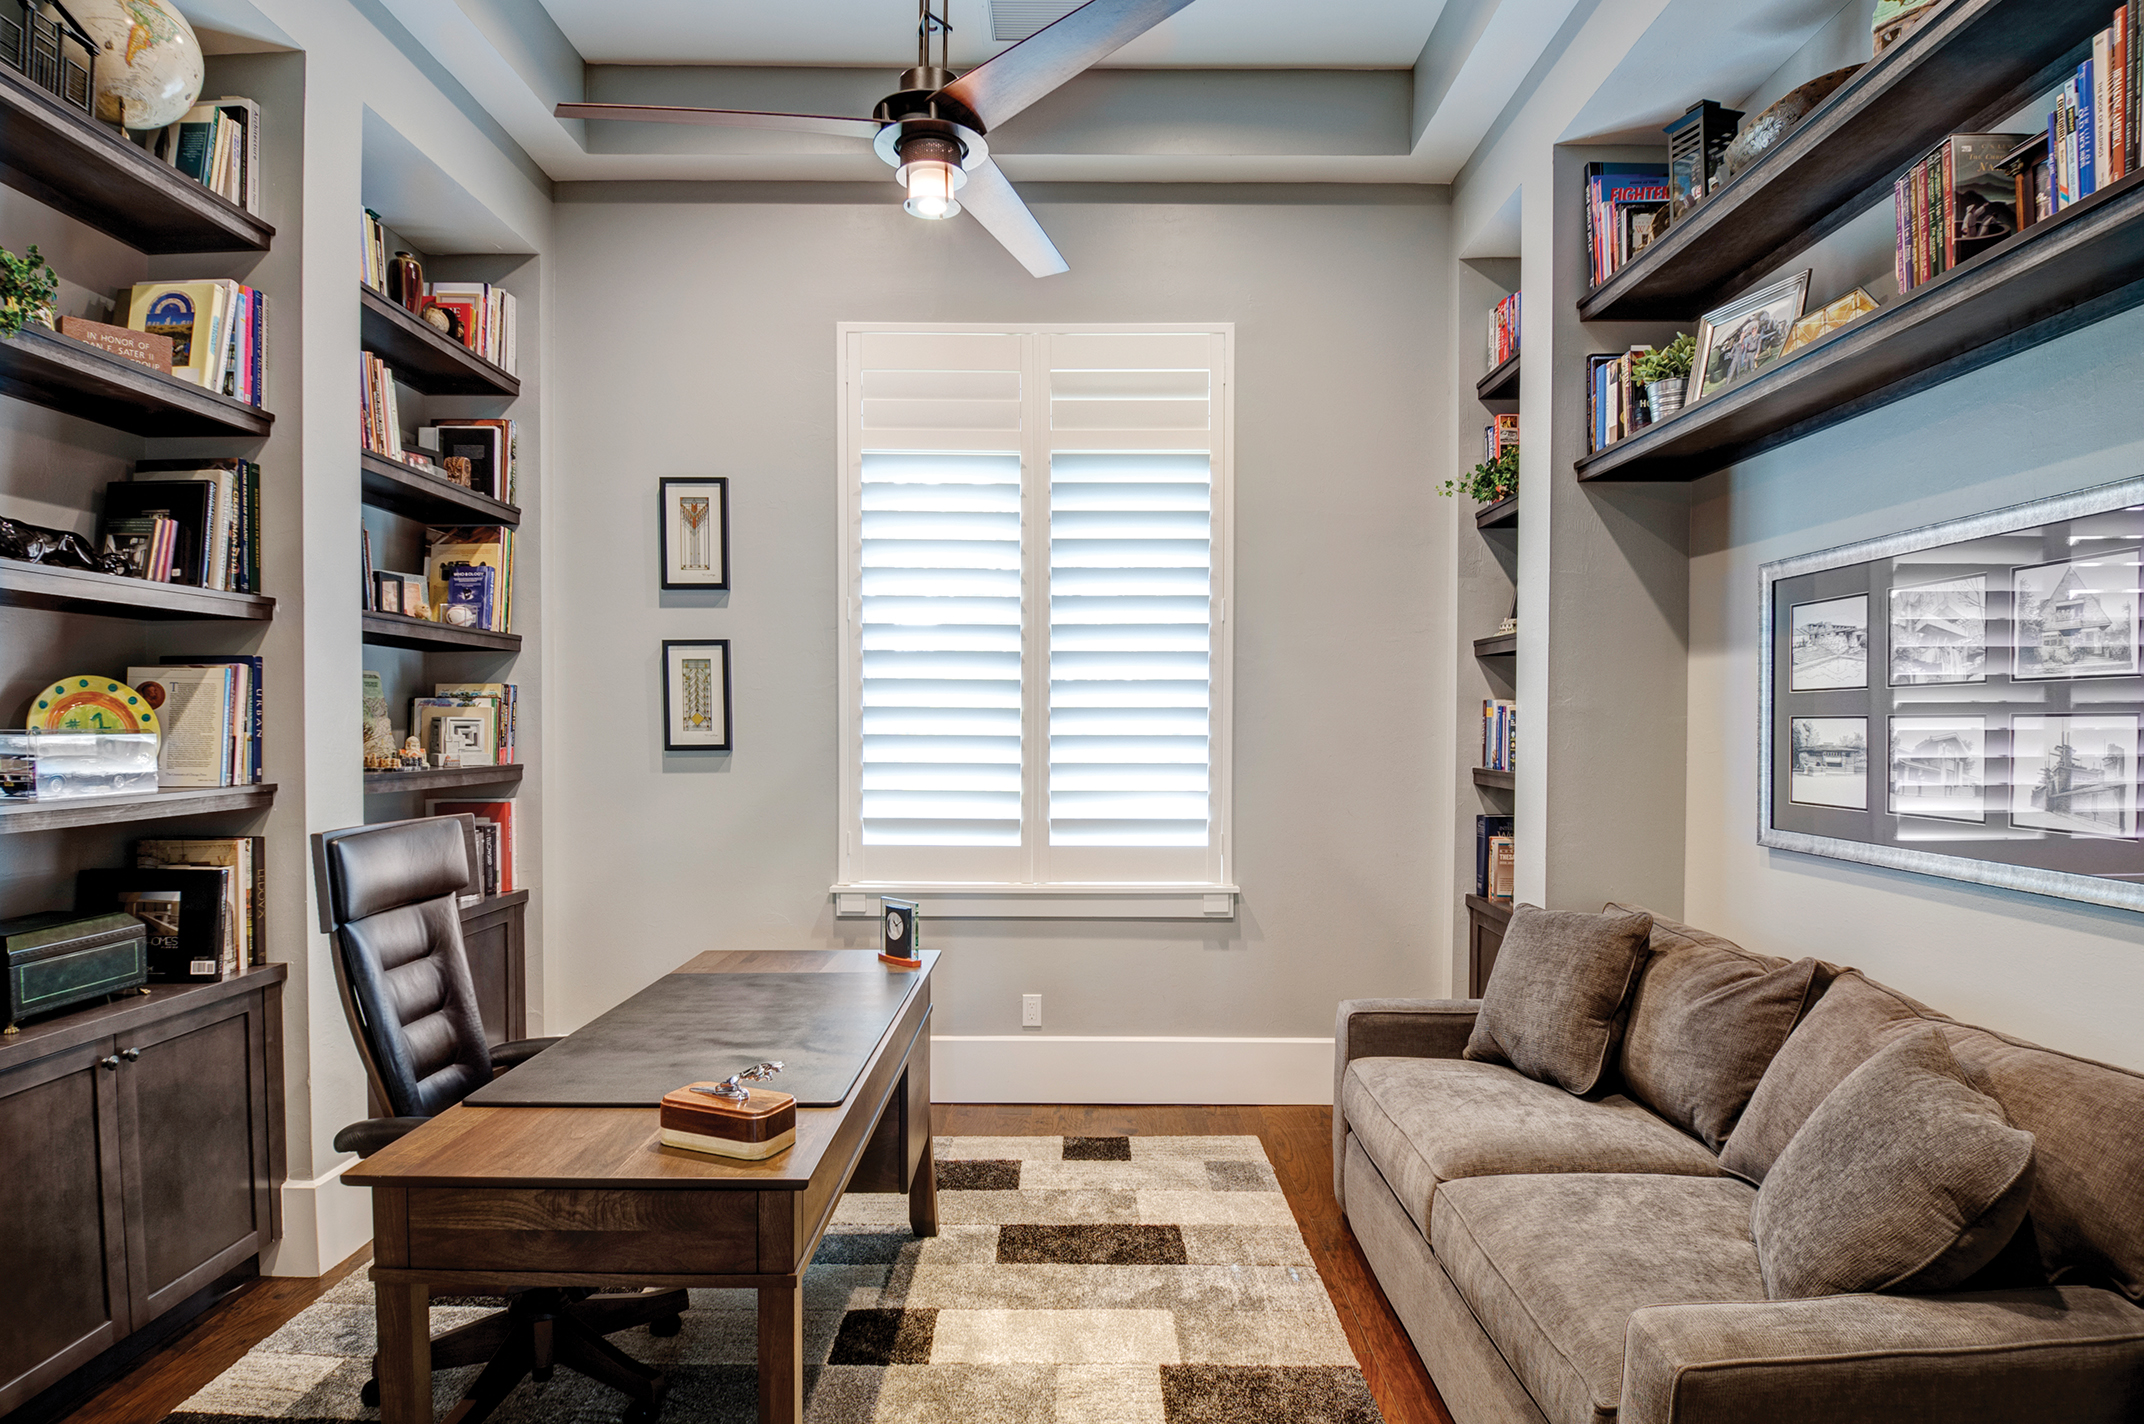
{"x":1393,"y":1028}
{"x":518,"y":1052}
{"x":2069,"y":1353}
{"x":367,"y":1137}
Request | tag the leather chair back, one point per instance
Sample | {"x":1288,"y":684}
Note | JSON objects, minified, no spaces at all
{"x":388,"y":895}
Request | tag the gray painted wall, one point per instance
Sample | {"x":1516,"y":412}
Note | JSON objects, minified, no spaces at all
{"x":2061,"y":417}
{"x":695,"y":335}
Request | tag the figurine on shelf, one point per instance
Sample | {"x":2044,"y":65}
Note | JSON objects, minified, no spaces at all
{"x":412,"y":755}
{"x":59,"y":548}
{"x":460,"y":471}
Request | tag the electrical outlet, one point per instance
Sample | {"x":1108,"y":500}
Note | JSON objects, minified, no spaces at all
{"x":1031,"y":1011}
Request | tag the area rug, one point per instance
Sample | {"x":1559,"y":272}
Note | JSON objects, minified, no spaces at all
{"x":1074,"y":1280}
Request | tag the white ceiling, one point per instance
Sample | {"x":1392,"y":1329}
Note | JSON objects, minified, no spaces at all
{"x":1236,"y":34}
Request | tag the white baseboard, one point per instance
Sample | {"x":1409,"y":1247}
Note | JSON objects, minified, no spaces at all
{"x":324,"y":1221}
{"x":1038,"y":1068}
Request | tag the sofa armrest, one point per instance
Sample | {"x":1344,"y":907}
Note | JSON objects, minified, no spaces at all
{"x":1393,"y":1028}
{"x":2068,"y":1353}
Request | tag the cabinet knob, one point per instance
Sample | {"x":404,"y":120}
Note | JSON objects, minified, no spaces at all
{"x":110,"y":1065}
{"x":132,"y":1055}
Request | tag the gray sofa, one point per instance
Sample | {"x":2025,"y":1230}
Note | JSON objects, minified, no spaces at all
{"x":1581,"y":1260}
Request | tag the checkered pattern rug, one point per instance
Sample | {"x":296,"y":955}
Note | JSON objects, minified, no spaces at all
{"x":1075,"y":1280}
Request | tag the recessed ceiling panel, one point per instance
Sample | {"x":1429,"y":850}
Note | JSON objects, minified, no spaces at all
{"x":1362,"y":34}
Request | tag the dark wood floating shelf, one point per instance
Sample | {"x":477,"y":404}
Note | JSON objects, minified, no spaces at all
{"x":1503,"y":645}
{"x":492,"y":903}
{"x":1966,"y":68}
{"x":48,"y":369}
{"x":381,"y":783}
{"x":389,"y":484}
{"x":20,"y":816}
{"x":1497,"y":910}
{"x":69,"y":162}
{"x":26,"y":585}
{"x":2081,"y":266}
{"x":1501,"y":780}
{"x":424,"y":356}
{"x":392,"y":630}
{"x":1504,"y":514}
{"x":1501,"y":384}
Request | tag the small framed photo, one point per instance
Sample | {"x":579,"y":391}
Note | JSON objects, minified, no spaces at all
{"x":696,"y":695}
{"x":1831,"y":762}
{"x":1746,"y":336}
{"x":696,"y":533}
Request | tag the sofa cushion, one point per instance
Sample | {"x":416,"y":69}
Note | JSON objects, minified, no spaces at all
{"x":1705,"y":1022}
{"x":1552,"y":1006}
{"x":1851,"y":1021}
{"x":1553,"y":1266}
{"x":1906,"y":1178}
{"x":1426,"y":1121}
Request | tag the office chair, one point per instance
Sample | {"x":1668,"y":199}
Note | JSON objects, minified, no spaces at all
{"x":388,"y":897}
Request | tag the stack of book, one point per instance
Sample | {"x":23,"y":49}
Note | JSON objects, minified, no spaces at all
{"x":1499,"y":734}
{"x":490,"y":324}
{"x":1615,"y":399}
{"x":1492,"y":841}
{"x":1954,"y":204}
{"x":218,"y":330}
{"x":218,"y":144}
{"x":149,"y":543}
{"x":379,"y":418}
{"x":374,"y":270}
{"x":205,"y":903}
{"x":471,"y":575}
{"x":496,"y":843}
{"x":212,"y":508}
{"x":1504,"y":331}
{"x":1498,"y":436}
{"x":1626,"y":208}
{"x":211,"y":713}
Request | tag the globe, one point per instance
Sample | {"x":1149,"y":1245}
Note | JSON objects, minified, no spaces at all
{"x":148,"y":61}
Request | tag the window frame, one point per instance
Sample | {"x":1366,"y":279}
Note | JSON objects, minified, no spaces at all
{"x":858,"y":883}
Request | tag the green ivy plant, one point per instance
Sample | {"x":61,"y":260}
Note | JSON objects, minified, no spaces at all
{"x":1670,"y":363}
{"x":1486,"y":484}
{"x":28,"y":288}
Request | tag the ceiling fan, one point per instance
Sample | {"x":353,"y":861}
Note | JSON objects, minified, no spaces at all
{"x":931,"y":129}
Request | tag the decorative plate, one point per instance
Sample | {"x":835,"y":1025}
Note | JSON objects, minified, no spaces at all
{"x":90,"y":704}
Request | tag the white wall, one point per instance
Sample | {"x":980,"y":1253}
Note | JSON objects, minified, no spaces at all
{"x":696,"y":336}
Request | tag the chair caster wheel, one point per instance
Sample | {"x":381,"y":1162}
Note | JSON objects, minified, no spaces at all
{"x":667,"y":1326}
{"x":640,"y":1414}
{"x":369,"y":1396}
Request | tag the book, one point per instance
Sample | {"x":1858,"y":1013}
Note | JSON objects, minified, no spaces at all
{"x":245,"y":890}
{"x":500,"y":815}
{"x":469,"y":595}
{"x":193,"y":704}
{"x":487,"y":545}
{"x":1503,"y":868}
{"x":188,"y":912}
{"x":189,"y":313}
{"x":484,"y":447}
{"x":239,"y":480}
{"x":1611,"y":189}
{"x":252,"y":707}
{"x":1486,"y":829}
{"x":145,"y":543}
{"x":373,"y":270}
{"x":1965,"y":199}
{"x":190,"y":503}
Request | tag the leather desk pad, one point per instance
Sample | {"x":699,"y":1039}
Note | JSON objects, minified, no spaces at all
{"x":689,"y":1028}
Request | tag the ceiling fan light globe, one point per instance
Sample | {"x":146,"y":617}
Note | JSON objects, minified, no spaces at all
{"x":931,"y":185}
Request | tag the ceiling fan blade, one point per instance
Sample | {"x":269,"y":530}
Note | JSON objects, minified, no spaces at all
{"x":866,"y":129}
{"x":990,"y":199}
{"x":996,"y":90}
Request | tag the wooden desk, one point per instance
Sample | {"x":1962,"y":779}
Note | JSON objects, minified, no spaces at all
{"x":491,"y":1200}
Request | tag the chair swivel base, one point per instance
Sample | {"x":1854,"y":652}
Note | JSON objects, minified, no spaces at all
{"x":544,"y":1328}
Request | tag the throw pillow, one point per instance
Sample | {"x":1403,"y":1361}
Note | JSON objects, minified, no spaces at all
{"x":1551,"y":1008}
{"x":1905,"y":1178}
{"x":1851,"y":1021}
{"x":1705,"y":1024}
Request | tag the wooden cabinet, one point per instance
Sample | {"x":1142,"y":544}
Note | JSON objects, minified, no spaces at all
{"x":1486,"y":920}
{"x":141,"y":1159}
{"x":495,"y":937}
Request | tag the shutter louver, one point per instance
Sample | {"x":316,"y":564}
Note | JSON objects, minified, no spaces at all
{"x":941,"y":634}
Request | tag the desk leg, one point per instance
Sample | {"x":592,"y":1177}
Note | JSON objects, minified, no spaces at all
{"x":405,"y":1359}
{"x":923,"y":1195}
{"x":781,"y":1353}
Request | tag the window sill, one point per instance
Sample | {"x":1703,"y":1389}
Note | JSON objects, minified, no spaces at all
{"x":1045,"y":902}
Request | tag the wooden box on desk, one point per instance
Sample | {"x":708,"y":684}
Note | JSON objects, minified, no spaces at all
{"x":763,"y":1125}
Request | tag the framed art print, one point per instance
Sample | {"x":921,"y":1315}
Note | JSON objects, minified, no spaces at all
{"x":696,"y":533}
{"x":696,"y":695}
{"x":1965,"y":700}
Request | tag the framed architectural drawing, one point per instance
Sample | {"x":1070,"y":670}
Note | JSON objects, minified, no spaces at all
{"x":696,"y":534}
{"x":696,"y":695}
{"x":1998,"y":741}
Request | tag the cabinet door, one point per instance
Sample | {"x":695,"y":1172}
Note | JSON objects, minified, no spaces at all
{"x":488,"y":944}
{"x":194,"y":1138}
{"x":62,"y":1255}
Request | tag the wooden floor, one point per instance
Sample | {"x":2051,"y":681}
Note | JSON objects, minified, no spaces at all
{"x":1297,"y":1140}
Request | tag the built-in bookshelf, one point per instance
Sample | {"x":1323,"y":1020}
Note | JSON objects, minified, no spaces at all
{"x":405,"y":490}
{"x":423,"y":357}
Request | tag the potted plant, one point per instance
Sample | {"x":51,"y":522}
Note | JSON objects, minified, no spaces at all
{"x":1665,"y":374}
{"x":28,"y":288}
{"x":1488,"y":483}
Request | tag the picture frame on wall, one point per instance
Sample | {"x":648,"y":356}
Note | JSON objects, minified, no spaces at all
{"x":696,"y":695}
{"x":1746,"y":337}
{"x":1965,"y":699}
{"x":695,"y":531}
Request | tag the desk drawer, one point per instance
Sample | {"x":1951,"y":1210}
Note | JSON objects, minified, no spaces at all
{"x":657,"y":1232}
